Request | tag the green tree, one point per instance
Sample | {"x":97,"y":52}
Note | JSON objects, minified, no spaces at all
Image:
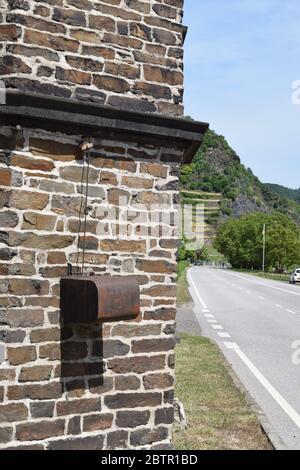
{"x":191,"y":255}
{"x":241,"y":241}
{"x":282,"y":241}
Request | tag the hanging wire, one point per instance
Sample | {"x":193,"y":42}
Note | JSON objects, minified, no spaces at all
{"x":80,"y":217}
{"x":87,"y":155}
{"x":81,"y":241}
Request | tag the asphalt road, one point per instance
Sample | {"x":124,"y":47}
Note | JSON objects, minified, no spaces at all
{"x":256,"y":323}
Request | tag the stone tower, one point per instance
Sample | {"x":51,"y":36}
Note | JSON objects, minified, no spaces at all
{"x":110,"y":72}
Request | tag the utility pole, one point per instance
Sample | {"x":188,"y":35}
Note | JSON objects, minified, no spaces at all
{"x":264,"y":248}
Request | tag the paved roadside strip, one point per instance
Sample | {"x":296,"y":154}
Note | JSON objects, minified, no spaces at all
{"x":224,"y":338}
{"x":186,"y":321}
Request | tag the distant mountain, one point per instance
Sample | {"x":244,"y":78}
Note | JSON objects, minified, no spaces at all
{"x":218,"y":169}
{"x":292,"y":194}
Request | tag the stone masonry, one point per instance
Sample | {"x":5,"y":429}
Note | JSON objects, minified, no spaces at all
{"x":124,"y":53}
{"x":110,"y":384}
{"x":102,"y":385}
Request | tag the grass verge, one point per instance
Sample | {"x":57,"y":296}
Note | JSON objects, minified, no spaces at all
{"x":183,"y":296}
{"x":272,"y":276}
{"x":219,"y":414}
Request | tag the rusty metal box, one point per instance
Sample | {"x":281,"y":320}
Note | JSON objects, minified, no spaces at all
{"x":86,"y":299}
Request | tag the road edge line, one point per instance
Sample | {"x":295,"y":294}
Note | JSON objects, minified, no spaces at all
{"x":262,"y":418}
{"x":193,"y":285}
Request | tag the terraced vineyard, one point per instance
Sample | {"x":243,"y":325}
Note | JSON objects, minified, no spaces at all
{"x":206,"y":209}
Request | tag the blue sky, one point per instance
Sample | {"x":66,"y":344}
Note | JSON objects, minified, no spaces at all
{"x":241,"y":58}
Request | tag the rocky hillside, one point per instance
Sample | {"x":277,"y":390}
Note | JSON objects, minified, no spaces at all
{"x":218,"y":169}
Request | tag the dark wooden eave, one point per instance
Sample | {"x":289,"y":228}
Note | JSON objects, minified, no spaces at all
{"x":95,"y":120}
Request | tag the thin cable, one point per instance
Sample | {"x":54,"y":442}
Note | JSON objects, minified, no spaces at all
{"x":79,"y":215}
{"x":85,"y":209}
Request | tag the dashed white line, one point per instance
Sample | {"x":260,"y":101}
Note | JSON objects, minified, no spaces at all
{"x":224,"y":335}
{"x":211,"y":321}
{"x":290,"y":311}
{"x":209,"y":316}
{"x":289,"y":410}
{"x":261,"y":297}
{"x":231,"y":345}
{"x":217,"y":327}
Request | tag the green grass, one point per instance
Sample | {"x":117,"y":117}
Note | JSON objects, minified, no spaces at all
{"x":219,"y":414}
{"x":272,"y":276}
{"x":183,"y":296}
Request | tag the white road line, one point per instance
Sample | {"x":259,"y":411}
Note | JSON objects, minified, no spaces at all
{"x":212,"y":321}
{"x":279,"y":306}
{"x":217,"y":327}
{"x":290,"y":311}
{"x":205,"y":310}
{"x":289,"y":410}
{"x":285,"y":406}
{"x":224,"y":335}
{"x":196,"y":290}
{"x":209,"y":316}
{"x":231,"y":345}
{"x":261,"y":297}
{"x":263,"y":284}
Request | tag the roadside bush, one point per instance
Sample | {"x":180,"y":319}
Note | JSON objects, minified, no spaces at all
{"x":241,"y":241}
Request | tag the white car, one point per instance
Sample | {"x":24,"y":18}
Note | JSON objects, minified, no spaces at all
{"x":295,"y":277}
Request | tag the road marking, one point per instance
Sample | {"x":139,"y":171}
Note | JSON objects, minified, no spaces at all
{"x":263,"y":284}
{"x":290,"y":311}
{"x":285,"y":406}
{"x":231,"y":345}
{"x":190,"y":279}
{"x":248,"y":291}
{"x":289,"y":410}
{"x":212,"y":321}
{"x":279,"y":306}
{"x":224,"y":335}
{"x":217,"y":327}
{"x":261,"y":297}
{"x":205,"y":310}
{"x":209,"y":316}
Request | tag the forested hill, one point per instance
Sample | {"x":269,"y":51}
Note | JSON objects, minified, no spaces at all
{"x":293,"y":194}
{"x":218,"y":169}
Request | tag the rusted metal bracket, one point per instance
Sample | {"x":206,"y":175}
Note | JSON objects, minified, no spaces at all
{"x":86,"y":299}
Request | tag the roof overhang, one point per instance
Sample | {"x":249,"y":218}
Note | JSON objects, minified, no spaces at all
{"x":50,"y":113}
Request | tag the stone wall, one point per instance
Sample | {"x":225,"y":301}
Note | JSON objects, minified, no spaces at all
{"x":124,"y":53}
{"x":100,"y":386}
